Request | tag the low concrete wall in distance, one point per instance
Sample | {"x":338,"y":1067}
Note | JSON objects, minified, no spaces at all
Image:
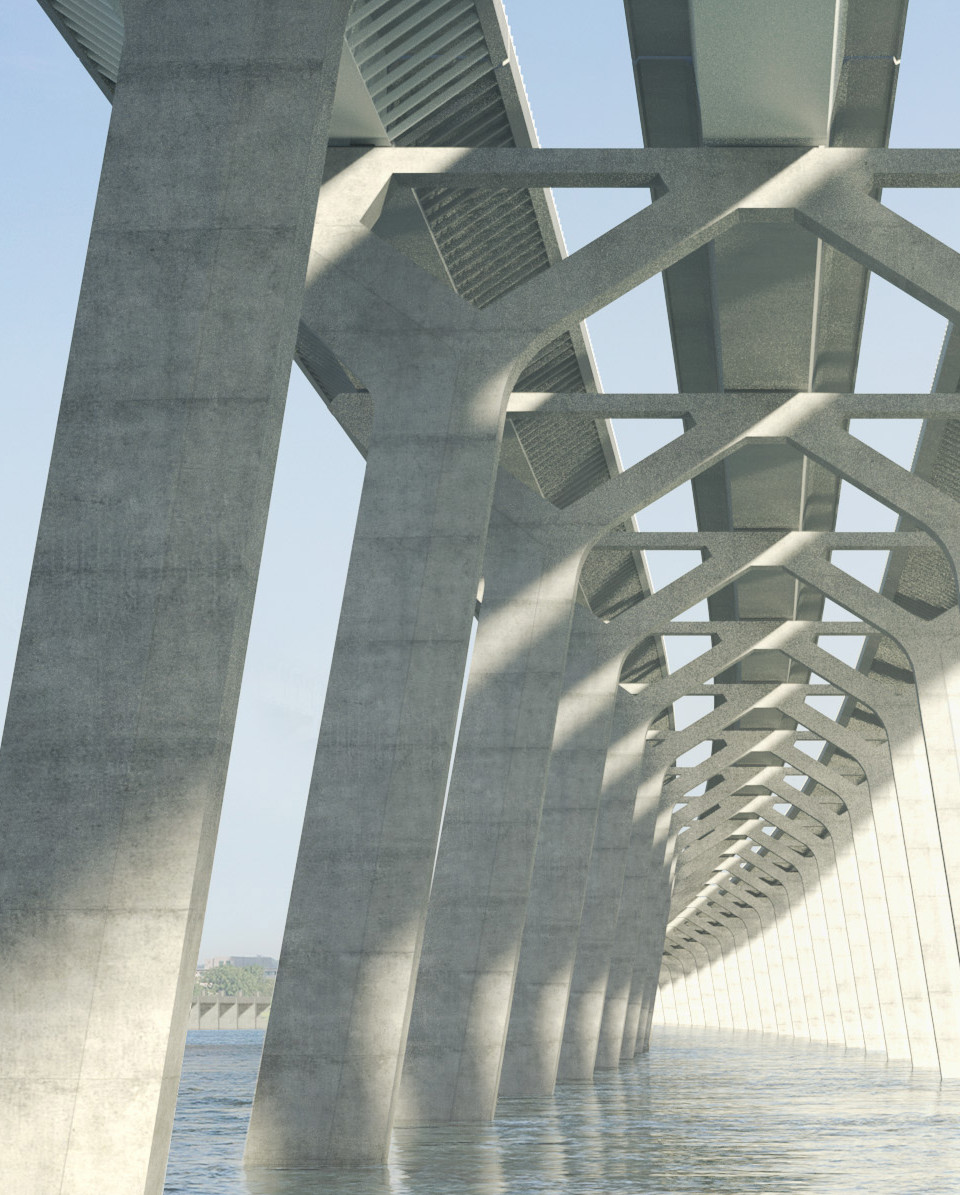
{"x":221,"y":1012}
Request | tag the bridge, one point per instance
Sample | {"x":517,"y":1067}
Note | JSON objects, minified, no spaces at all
{"x":228,"y":1012}
{"x":358,"y":188}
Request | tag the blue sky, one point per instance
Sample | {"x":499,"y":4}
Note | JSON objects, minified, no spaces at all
{"x":577,"y":71}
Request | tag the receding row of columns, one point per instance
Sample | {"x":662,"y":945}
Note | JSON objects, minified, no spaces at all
{"x":848,"y":909}
{"x":424,"y":974}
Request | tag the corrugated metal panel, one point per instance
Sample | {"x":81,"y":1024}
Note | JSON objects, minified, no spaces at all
{"x":97,"y":26}
{"x":416,"y":56}
{"x":554,"y":368}
{"x":563,"y":476}
{"x":474,"y":116}
{"x":491,"y":241}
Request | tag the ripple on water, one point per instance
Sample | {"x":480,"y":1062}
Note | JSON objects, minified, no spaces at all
{"x":704,"y":1111}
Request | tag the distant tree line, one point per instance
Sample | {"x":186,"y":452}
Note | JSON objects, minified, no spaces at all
{"x":229,"y":981}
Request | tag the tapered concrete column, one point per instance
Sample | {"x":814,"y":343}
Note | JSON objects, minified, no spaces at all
{"x":787,"y":895}
{"x":896,"y":981}
{"x":781,"y":964}
{"x":735,"y":929}
{"x":560,"y":868}
{"x":747,"y":928}
{"x":842,"y":889}
{"x":641,"y":996}
{"x":479,"y":895}
{"x":806,"y":908}
{"x":681,"y":1000}
{"x":125,"y":690}
{"x":666,"y":1004}
{"x":598,"y":926}
{"x":631,"y":938}
{"x":570,"y":811}
{"x":642,"y":918}
{"x":724,"y":965}
{"x":627,"y":818}
{"x":821,"y":881}
{"x":691,"y":985}
{"x":881,"y":809}
{"x":653,"y":899}
{"x":639,"y":933}
{"x":337,"y":1027}
{"x":659,"y":1017}
{"x":604,"y":883}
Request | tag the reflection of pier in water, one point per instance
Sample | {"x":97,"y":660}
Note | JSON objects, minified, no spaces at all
{"x":228,"y":1012}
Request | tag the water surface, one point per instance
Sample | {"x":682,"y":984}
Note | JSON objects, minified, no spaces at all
{"x":704,"y":1111}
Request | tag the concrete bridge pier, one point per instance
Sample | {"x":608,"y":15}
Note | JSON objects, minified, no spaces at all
{"x":638,"y":936}
{"x":847,"y":902}
{"x":605,"y":880}
{"x":616,"y":932}
{"x":596,"y":940}
{"x":564,"y":860}
{"x":478,"y":898}
{"x":124,"y":695}
{"x":335,"y":1041}
{"x":439,"y":372}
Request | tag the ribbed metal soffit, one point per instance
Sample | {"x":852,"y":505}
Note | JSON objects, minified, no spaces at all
{"x":95,"y":27}
{"x":429,"y":72}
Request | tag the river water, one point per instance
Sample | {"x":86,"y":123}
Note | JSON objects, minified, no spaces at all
{"x":704,"y":1111}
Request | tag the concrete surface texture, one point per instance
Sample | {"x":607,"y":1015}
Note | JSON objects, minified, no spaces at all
{"x":585,"y":875}
{"x":118,"y":734}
